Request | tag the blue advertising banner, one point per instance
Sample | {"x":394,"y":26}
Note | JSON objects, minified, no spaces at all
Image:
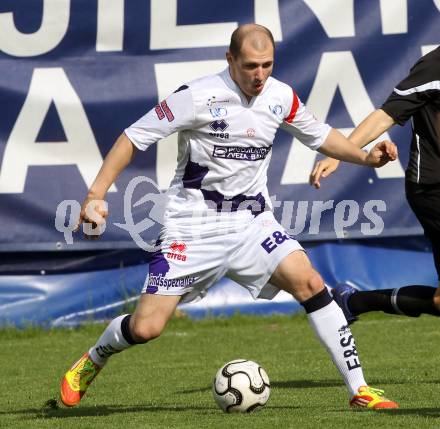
{"x":74,"y":74}
{"x":68,"y":299}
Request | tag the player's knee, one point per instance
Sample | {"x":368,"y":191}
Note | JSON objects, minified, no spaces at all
{"x":314,"y":283}
{"x":311,"y":285}
{"x":147,"y":330}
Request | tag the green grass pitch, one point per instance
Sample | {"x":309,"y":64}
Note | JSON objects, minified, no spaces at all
{"x":167,"y":383}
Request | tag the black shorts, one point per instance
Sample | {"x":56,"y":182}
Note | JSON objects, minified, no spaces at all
{"x":425,"y":203}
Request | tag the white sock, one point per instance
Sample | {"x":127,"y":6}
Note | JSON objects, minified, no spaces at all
{"x":332,"y":329}
{"x":110,"y":342}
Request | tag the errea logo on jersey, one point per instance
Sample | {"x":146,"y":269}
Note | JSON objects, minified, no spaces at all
{"x":220,"y":135}
{"x":219,"y":126}
{"x":177,"y":251}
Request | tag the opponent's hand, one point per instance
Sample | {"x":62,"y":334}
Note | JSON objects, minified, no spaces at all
{"x":323,"y":168}
{"x":382,"y":153}
{"x":93,"y":214}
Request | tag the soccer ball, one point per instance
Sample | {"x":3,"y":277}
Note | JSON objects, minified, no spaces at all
{"x":241,"y":386}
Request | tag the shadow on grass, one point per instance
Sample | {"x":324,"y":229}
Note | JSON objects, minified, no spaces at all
{"x":102,"y":410}
{"x":290,"y":384}
{"x":304,"y":384}
{"x":310,"y":384}
{"x":106,"y":410}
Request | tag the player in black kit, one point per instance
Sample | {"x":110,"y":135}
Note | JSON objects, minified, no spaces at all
{"x":416,"y":97}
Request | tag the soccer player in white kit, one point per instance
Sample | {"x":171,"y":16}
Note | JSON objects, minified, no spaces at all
{"x":218,"y":219}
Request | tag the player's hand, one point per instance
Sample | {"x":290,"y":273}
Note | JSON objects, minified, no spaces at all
{"x":93,"y":214}
{"x":323,"y":168}
{"x":382,"y":153}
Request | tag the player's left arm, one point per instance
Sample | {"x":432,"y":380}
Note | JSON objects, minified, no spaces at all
{"x":338,"y":146}
{"x":367,"y":131}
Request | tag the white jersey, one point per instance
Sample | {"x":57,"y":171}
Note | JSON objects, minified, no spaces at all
{"x":224,"y":143}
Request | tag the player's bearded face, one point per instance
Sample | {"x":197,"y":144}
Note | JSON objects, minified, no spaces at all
{"x":251,"y":69}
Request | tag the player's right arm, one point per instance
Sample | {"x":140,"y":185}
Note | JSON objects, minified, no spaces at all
{"x":173,"y":114}
{"x":93,"y":209}
{"x":367,"y":131}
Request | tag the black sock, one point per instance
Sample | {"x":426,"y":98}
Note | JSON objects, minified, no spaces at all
{"x":408,"y":300}
{"x":316,"y":302}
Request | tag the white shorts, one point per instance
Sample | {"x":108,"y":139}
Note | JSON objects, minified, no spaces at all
{"x":189,"y":267}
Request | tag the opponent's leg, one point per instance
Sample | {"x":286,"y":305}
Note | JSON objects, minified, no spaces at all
{"x":410,"y":301}
{"x":296,"y":275}
{"x":147,"y":322}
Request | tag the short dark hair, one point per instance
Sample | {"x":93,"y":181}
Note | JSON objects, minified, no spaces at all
{"x":239,"y":35}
